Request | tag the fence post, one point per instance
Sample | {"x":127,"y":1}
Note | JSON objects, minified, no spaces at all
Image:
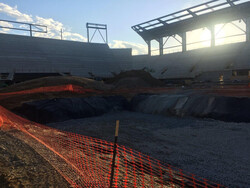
{"x":114,"y":153}
{"x":30,"y":30}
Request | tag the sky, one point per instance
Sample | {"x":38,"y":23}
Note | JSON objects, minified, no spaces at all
{"x":72,"y":16}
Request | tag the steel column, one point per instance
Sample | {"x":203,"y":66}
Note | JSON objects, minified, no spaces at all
{"x":30,"y":30}
{"x":87,"y":32}
{"x":149,"y":47}
{"x":212,"y":30}
{"x":184,"y":42}
{"x":161,"y":45}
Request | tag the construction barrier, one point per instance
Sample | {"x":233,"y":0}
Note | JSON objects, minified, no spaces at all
{"x":61,"y":88}
{"x":240,"y":90}
{"x":86,"y":162}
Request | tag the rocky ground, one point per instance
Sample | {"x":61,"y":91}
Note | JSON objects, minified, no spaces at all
{"x":216,"y":150}
{"x":21,"y":166}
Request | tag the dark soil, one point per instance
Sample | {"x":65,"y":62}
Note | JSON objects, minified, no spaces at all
{"x":134,"y":79}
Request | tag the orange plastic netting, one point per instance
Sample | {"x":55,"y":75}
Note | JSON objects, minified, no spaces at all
{"x":86,"y":162}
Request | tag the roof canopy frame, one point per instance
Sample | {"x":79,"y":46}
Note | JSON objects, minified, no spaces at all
{"x":203,"y":15}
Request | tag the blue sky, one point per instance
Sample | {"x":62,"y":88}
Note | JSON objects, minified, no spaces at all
{"x":72,"y":15}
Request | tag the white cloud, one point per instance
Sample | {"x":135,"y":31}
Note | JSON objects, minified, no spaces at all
{"x":5,"y":24}
{"x":49,"y":22}
{"x":14,"y":13}
{"x":74,"y":36}
{"x":54,"y":29}
{"x":136,"y":47}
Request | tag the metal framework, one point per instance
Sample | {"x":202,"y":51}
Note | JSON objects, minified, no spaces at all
{"x":38,"y":28}
{"x":97,"y":27}
{"x":205,"y":15}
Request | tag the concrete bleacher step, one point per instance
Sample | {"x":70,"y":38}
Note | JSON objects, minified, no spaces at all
{"x":23,"y":54}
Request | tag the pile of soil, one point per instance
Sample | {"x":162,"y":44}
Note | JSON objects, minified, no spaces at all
{"x":134,"y":79}
{"x":14,"y":101}
{"x":56,"y":81}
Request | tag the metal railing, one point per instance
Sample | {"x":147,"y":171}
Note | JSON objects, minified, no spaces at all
{"x":29,"y":27}
{"x":178,"y":48}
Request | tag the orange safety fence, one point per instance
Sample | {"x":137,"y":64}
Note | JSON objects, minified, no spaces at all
{"x":61,"y":88}
{"x":80,"y":90}
{"x":238,"y":90}
{"x":86,"y":162}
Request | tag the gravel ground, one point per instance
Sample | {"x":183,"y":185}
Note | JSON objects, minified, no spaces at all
{"x":21,"y":166}
{"x":216,"y":150}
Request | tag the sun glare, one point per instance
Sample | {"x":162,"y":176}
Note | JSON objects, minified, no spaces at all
{"x":205,"y":38}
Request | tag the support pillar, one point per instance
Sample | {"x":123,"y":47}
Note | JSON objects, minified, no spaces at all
{"x":161,"y":45}
{"x":248,"y":29}
{"x":184,"y":42}
{"x":30,"y":30}
{"x":149,"y":47}
{"x":212,"y":30}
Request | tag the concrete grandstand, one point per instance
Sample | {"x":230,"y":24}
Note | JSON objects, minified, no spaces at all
{"x":22,"y":54}
{"x":184,"y":116}
{"x":30,"y":57}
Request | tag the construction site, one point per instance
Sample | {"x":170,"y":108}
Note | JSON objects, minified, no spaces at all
{"x":82,"y":114}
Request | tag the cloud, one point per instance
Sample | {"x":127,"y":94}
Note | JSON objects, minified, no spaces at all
{"x":5,"y":24}
{"x":74,"y":36}
{"x":14,"y":13}
{"x":136,"y":47}
{"x":54,"y":29}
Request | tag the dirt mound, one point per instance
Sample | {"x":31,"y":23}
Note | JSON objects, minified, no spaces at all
{"x":55,"y":81}
{"x":134,"y":79}
{"x":14,"y":101}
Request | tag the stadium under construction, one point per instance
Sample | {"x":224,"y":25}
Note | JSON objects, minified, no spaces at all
{"x":186,"y":108}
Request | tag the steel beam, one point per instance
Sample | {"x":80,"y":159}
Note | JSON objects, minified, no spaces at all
{"x":225,"y":15}
{"x":97,"y":27}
